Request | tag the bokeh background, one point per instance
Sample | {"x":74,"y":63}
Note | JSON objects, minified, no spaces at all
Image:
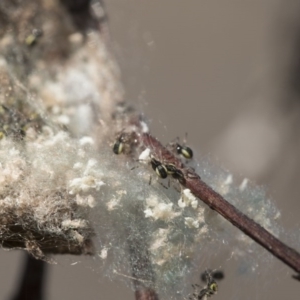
{"x":226,"y":73}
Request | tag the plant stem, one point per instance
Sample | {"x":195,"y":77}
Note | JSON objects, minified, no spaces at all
{"x":216,"y":202}
{"x":32,"y":280}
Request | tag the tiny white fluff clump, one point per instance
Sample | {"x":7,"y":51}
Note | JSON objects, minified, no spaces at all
{"x":75,"y":38}
{"x":148,"y":213}
{"x":76,"y":223}
{"x":159,"y":210}
{"x":187,"y":198}
{"x":114,"y":203}
{"x":162,"y":211}
{"x":88,"y":201}
{"x":228,"y":180}
{"x":224,"y":187}
{"x":78,"y":166}
{"x":191,"y":223}
{"x":63,"y":119}
{"x":145,"y":156}
{"x":84,"y":184}
{"x":145,"y":128}
{"x":103,"y":253}
{"x":243,"y":185}
{"x":86,"y":140}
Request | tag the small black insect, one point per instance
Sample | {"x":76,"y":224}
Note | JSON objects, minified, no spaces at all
{"x":125,"y":143}
{"x":216,"y":275}
{"x":171,"y":169}
{"x":159,"y":168}
{"x":118,"y":146}
{"x":209,"y":290}
{"x":32,"y":38}
{"x":175,"y":173}
{"x":185,"y":151}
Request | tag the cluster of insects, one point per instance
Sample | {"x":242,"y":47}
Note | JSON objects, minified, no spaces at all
{"x":163,"y":170}
{"x":211,"y":287}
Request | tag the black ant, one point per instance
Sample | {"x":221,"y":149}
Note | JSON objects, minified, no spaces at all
{"x":185,"y":151}
{"x":175,"y":173}
{"x":211,"y":287}
{"x":182,"y":150}
{"x":163,"y":170}
{"x":118,"y":145}
{"x":124,"y":143}
{"x":159,"y":168}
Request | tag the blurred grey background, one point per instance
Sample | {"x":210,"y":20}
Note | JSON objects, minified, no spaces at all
{"x":225,"y":72}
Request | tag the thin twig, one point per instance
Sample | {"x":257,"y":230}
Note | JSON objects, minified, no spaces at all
{"x":32,"y":281}
{"x":216,"y":202}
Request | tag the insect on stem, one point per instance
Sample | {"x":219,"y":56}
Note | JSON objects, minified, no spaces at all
{"x":216,"y":202}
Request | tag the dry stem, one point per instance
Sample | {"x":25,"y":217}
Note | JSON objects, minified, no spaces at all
{"x":216,"y":202}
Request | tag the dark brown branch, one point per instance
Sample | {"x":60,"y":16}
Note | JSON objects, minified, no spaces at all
{"x":48,"y":244}
{"x":32,"y":280}
{"x":39,"y":243}
{"x":216,"y":202}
